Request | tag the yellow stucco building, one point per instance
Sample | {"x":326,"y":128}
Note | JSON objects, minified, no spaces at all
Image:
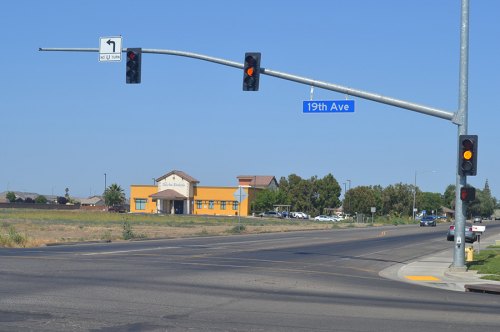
{"x":179,"y":193}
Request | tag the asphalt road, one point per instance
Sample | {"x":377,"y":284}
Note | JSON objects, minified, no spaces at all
{"x":299,"y":281}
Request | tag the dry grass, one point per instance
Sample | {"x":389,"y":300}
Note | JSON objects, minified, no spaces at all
{"x":47,"y":227}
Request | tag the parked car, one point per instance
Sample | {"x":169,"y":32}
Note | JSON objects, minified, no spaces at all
{"x":299,"y":215}
{"x":117,"y":208}
{"x":325,"y":218}
{"x":428,"y":221}
{"x":477,"y":219}
{"x":270,"y":214}
{"x":470,"y":236}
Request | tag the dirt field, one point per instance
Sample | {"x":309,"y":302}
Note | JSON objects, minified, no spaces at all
{"x":23,"y":228}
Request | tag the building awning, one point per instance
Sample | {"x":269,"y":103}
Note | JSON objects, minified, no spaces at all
{"x":168,"y":194}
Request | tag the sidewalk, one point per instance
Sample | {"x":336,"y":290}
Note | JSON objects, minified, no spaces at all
{"x":434,"y":271}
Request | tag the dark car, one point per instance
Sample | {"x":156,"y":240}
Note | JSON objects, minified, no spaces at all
{"x":477,"y":219}
{"x":428,"y":221}
{"x":117,"y":208}
{"x":470,"y":236}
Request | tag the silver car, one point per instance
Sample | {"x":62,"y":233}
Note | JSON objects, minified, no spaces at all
{"x":470,"y":236}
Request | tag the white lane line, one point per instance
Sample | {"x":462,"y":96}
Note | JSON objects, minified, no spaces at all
{"x":127,"y":251}
{"x":259,"y":241}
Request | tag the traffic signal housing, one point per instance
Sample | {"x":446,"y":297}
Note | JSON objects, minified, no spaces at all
{"x":251,"y":71}
{"x":468,"y":194}
{"x":133,"y":70}
{"x":467,"y":158}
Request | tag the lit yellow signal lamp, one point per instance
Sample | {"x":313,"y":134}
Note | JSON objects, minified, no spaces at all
{"x":251,"y":71}
{"x":468,"y":155}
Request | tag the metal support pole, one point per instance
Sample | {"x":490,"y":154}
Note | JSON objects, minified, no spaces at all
{"x":303,"y":80}
{"x":460,"y":208}
{"x":414,"y":194}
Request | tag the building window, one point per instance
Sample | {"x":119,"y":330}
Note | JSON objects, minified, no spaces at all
{"x":223,"y":205}
{"x":140,"y":203}
{"x":198,"y":204}
{"x":211,"y":205}
{"x":235,"y":205}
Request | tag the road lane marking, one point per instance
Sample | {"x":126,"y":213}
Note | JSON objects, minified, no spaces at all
{"x":126,"y":251}
{"x":422,"y":278}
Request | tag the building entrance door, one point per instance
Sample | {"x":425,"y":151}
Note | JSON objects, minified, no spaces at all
{"x":179,"y":207}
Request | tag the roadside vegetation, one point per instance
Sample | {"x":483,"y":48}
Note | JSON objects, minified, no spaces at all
{"x":487,"y":262}
{"x":32,"y":227}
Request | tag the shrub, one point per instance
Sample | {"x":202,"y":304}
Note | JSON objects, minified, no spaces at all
{"x":127,"y":233}
{"x":13,"y":239}
{"x":237,"y":229}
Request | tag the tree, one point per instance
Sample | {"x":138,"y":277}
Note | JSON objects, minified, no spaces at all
{"x":325,"y":193}
{"x":487,"y":202}
{"x":429,"y":201}
{"x":361,"y":199}
{"x":41,"y":199}
{"x":449,"y":197}
{"x":310,"y":196}
{"x":11,"y":196}
{"x":398,"y":200}
{"x":114,"y":195}
{"x":267,"y":198}
{"x":62,"y":200}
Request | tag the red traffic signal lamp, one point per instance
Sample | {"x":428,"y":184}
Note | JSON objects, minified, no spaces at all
{"x":467,"y":158}
{"x":251,"y":71}
{"x":467,"y":194}
{"x":133,"y":70}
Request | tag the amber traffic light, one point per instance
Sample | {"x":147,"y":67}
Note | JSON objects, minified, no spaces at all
{"x":251,"y":71}
{"x":467,"y":155}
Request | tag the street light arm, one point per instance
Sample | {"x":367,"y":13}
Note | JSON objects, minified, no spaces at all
{"x":295,"y":78}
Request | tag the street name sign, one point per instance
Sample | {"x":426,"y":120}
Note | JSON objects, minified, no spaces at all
{"x":328,"y":106}
{"x":110,"y":49}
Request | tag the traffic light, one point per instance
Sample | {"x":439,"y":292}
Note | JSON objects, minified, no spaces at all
{"x":467,"y":194}
{"x":467,"y":155}
{"x":251,"y":72}
{"x":133,"y":65}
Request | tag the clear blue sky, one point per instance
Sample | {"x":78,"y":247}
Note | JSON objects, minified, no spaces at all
{"x":68,"y":119}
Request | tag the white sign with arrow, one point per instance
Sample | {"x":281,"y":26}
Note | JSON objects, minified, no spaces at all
{"x":110,"y":49}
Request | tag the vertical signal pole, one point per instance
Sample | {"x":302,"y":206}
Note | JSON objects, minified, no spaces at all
{"x":461,"y":117}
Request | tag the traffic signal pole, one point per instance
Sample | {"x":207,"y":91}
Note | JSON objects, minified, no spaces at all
{"x":462,"y":120}
{"x":459,"y":118}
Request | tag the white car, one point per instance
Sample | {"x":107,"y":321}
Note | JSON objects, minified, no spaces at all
{"x":299,"y":215}
{"x":325,"y":218}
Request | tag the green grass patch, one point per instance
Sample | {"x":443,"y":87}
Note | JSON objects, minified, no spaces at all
{"x":487,"y":262}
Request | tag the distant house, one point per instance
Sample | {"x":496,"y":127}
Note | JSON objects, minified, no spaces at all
{"x":258,"y":181}
{"x":92,"y":201}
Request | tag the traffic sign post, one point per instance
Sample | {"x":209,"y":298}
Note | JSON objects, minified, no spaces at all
{"x":240,"y":195}
{"x":110,"y":49}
